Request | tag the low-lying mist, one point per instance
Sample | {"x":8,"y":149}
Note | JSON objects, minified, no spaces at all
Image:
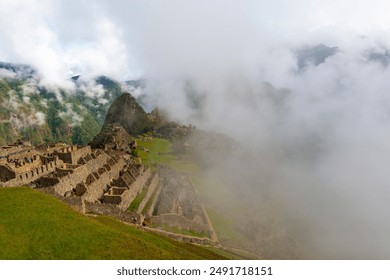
{"x":307,"y":172}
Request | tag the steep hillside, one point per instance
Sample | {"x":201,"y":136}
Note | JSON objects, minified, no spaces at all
{"x":44,"y":113}
{"x":126,"y":111}
{"x":34,"y":225}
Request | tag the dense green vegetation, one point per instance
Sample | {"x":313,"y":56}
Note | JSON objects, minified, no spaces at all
{"x":45,"y":115}
{"x":34,"y":225}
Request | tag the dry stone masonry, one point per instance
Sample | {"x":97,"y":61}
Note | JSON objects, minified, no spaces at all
{"x":104,"y":178}
{"x":104,"y":174}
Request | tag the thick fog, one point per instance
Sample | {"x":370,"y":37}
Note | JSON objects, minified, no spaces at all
{"x":301,"y":87}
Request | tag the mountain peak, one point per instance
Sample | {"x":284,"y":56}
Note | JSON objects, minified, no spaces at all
{"x":129,"y":114}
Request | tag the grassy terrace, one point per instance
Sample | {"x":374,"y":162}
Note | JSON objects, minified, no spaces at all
{"x":160,"y":151}
{"x":137,"y":200}
{"x":34,"y":225}
{"x":150,"y":201}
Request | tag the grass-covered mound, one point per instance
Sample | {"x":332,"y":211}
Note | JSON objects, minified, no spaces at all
{"x":34,"y":225}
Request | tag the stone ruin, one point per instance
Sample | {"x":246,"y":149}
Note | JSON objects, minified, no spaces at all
{"x":178,"y":205}
{"x":88,"y":178}
{"x":22,"y":164}
{"x":105,"y":178}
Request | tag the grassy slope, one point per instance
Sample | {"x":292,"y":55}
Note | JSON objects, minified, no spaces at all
{"x":160,"y":151}
{"x":37,"y":226}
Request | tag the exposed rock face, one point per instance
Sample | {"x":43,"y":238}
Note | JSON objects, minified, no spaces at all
{"x":111,"y":137}
{"x":128,"y":113}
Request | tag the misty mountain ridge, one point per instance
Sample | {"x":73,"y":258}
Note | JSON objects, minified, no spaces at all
{"x":47,"y":113}
{"x":44,"y":113}
{"x":30,"y":109}
{"x":23,"y":70}
{"x":314,"y":55}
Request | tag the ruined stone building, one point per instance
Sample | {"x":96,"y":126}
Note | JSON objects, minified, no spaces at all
{"x":105,"y":178}
{"x":102,"y":176}
{"x":178,"y":205}
{"x":22,"y":164}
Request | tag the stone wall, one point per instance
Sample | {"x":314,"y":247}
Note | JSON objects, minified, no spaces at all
{"x":184,"y":238}
{"x":80,"y":173}
{"x":77,"y":203}
{"x":174,"y":220}
{"x":6,"y":174}
{"x":72,"y":154}
{"x":129,"y":195}
{"x":73,"y":201}
{"x":112,"y":199}
{"x":96,"y":189}
{"x":152,"y":187}
{"x":24,"y":163}
{"x":33,"y":174}
{"x":114,"y":211}
{"x":6,"y":150}
{"x":155,"y":200}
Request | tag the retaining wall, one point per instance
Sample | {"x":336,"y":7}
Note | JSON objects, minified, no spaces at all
{"x":152,"y":187}
{"x":114,"y":211}
{"x":175,"y":220}
{"x":129,"y":195}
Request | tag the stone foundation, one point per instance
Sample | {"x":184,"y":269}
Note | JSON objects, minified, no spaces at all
{"x":114,"y":211}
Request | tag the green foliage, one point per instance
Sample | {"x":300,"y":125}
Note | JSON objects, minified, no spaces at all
{"x":6,"y":135}
{"x":4,"y":89}
{"x":58,"y":126}
{"x":35,"y":135}
{"x":37,"y":226}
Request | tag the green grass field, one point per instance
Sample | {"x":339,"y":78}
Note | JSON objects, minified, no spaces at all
{"x":34,"y":225}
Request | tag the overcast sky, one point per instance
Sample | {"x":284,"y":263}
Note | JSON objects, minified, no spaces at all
{"x":136,"y":38}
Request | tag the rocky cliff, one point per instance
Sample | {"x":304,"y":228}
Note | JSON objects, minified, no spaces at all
{"x":129,"y":114}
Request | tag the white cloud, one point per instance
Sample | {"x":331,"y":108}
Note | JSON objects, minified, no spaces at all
{"x":73,"y":118}
{"x":4,"y":73}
